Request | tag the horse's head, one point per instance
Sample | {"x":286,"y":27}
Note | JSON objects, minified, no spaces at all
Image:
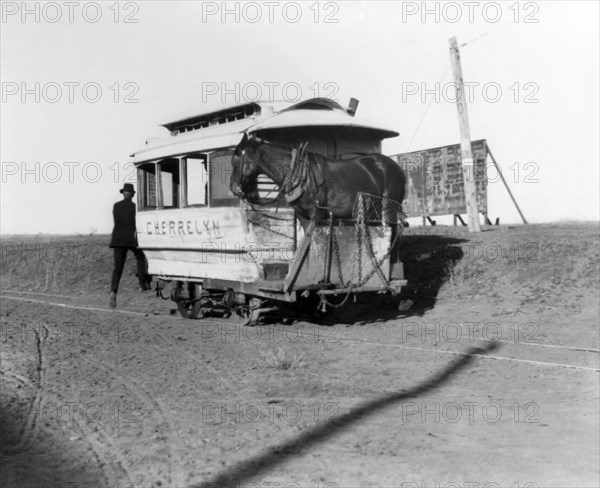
{"x":244,"y":179}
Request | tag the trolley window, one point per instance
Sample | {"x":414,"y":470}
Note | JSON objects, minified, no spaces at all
{"x":220,"y":170}
{"x":169,"y":182}
{"x":147,"y":186}
{"x":196,"y":179}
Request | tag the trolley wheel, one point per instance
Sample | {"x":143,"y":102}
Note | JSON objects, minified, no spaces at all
{"x":252,"y":318}
{"x":190,"y":308}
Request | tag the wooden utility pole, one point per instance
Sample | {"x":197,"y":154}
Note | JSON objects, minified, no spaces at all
{"x":465,"y":141}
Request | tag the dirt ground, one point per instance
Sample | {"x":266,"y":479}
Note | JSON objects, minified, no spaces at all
{"x":376,"y":396}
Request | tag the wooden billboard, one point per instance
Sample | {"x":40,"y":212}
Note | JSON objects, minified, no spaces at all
{"x":435,"y":180}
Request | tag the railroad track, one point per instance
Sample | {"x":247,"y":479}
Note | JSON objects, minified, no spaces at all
{"x":339,"y":338}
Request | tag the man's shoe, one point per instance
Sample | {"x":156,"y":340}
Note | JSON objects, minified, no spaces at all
{"x":113,"y":300}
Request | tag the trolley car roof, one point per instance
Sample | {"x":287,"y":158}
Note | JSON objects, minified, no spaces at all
{"x":224,"y":127}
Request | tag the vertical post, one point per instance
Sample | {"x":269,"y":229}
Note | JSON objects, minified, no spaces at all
{"x":295,"y":223}
{"x":183,"y":183}
{"x":329,"y":250}
{"x":465,"y":141}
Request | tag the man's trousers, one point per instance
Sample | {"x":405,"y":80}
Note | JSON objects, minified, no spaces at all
{"x":120,"y":255}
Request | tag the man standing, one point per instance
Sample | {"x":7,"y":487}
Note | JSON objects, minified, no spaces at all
{"x":124,"y":239}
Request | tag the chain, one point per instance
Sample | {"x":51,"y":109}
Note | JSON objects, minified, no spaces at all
{"x":324,"y":301}
{"x":362,"y":231}
{"x":360,"y":223}
{"x":376,"y":264}
{"x":352,"y":287}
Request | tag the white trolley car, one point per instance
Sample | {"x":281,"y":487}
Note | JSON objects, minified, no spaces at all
{"x":217,"y":251}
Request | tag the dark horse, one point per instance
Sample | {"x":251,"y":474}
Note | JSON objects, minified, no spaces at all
{"x":313,"y":184}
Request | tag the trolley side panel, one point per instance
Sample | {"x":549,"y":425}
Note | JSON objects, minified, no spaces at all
{"x":197,"y":243}
{"x":200,"y":264}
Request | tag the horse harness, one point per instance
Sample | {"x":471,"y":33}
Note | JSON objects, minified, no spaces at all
{"x":305,"y":175}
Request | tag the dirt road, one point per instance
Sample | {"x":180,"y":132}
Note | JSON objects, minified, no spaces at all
{"x":140,"y":397}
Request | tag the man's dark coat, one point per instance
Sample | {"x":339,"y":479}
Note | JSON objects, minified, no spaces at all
{"x":124,"y":232}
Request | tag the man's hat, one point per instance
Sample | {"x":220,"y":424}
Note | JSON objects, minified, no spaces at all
{"x":127,"y":187}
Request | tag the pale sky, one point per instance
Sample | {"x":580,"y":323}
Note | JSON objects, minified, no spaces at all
{"x":534,"y":96}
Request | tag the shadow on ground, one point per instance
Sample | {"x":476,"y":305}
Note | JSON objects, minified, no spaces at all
{"x":428,"y":261}
{"x":298,"y":446}
{"x":27,"y":461}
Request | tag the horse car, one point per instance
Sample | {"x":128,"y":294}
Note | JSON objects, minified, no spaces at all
{"x":255,"y":204}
